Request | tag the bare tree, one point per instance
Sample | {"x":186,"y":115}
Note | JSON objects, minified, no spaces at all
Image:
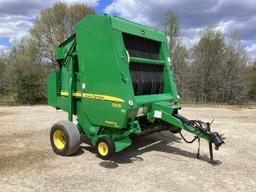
{"x":171,"y":27}
{"x":251,"y":82}
{"x":233,"y":71}
{"x":53,"y":26}
{"x":178,"y":51}
{"x":208,"y":57}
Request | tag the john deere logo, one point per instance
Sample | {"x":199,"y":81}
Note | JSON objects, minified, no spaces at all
{"x":142,"y":32}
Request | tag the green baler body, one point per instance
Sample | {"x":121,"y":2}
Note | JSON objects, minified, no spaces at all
{"x":96,"y":82}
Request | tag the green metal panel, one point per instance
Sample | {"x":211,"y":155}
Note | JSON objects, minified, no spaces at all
{"x":52,"y":88}
{"x":62,"y":50}
{"x":137,"y":29}
{"x":148,"y":61}
{"x":99,"y":71}
{"x":166,"y":115}
{"x":149,"y":99}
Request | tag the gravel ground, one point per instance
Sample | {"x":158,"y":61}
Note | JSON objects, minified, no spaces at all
{"x":158,"y":162}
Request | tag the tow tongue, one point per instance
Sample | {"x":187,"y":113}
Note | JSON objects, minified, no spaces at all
{"x":216,"y":139}
{"x":169,"y":114}
{"x":204,"y":128}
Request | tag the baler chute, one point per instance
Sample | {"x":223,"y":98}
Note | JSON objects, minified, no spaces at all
{"x":115,"y":77}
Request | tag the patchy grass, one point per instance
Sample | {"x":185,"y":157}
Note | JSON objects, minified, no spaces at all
{"x":4,"y":114}
{"x":7,"y":101}
{"x":228,"y":106}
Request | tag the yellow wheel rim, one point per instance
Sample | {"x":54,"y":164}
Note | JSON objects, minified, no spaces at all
{"x":103,"y":148}
{"x":59,"y":139}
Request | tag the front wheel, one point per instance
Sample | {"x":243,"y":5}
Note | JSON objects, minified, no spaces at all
{"x":65,"y":138}
{"x":105,"y":147}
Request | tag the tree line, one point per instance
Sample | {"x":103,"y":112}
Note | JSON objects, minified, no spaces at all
{"x":25,"y":67}
{"x":215,"y":70}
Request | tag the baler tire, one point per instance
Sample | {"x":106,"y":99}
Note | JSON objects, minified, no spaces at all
{"x":70,"y":141}
{"x":109,"y":146}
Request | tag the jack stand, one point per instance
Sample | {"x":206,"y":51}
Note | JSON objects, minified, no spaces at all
{"x":210,"y":144}
{"x":198,"y":149}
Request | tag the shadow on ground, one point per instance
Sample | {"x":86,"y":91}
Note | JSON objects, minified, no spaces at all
{"x":161,"y":141}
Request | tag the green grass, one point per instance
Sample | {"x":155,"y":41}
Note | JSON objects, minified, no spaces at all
{"x":251,"y":105}
{"x":7,"y":101}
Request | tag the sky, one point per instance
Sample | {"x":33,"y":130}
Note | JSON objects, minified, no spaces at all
{"x":17,"y":17}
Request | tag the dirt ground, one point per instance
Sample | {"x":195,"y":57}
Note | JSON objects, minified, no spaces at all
{"x":158,"y":162}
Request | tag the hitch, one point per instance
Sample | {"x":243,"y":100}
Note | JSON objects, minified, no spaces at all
{"x":204,"y":127}
{"x":200,"y":129}
{"x":216,"y":139}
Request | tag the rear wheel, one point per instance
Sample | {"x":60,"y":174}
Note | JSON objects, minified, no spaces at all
{"x":65,"y":138}
{"x":105,"y":147}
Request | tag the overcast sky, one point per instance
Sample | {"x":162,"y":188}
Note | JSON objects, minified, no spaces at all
{"x":17,"y":16}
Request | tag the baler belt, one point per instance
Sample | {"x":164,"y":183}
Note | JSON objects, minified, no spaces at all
{"x":141,"y":47}
{"x":146,"y":78}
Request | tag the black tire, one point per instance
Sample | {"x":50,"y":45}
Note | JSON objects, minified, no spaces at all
{"x":65,"y":138}
{"x":107,"y":152}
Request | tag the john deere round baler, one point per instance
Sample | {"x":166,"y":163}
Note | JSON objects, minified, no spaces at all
{"x":116,"y":77}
